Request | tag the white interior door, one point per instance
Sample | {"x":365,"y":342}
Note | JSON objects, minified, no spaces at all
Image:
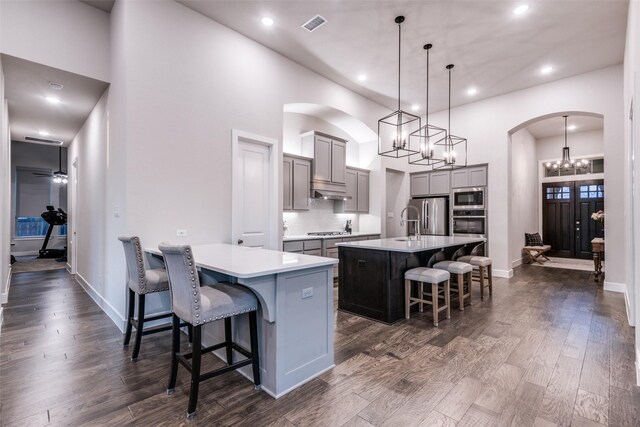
{"x":73,"y":233}
{"x":254,"y":191}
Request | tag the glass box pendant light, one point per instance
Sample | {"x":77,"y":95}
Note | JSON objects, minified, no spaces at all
{"x":394,"y":129}
{"x":424,"y":140}
{"x":452,"y":149}
{"x":567,"y":162}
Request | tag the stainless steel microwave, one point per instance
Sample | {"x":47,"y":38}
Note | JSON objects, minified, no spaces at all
{"x":469,"y":198}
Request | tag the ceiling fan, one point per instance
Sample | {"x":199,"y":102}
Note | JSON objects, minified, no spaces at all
{"x":59,"y":177}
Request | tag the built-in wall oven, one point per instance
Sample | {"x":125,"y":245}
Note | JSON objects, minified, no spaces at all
{"x":469,"y":223}
{"x":469,"y":198}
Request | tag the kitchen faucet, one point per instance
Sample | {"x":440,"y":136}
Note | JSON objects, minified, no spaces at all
{"x":417,"y":221}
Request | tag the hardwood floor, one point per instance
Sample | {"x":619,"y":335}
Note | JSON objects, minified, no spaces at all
{"x":549,"y":348}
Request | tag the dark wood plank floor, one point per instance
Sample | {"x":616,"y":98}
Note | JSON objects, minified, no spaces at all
{"x":548,"y":349}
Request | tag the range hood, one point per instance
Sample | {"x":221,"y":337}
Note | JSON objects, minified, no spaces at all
{"x":329,"y":195}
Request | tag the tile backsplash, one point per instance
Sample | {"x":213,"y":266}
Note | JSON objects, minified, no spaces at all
{"x":319,"y":217}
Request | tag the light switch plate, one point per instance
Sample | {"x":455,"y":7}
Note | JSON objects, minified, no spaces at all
{"x":307,"y":293}
{"x":390,"y":215}
{"x":181,"y":233}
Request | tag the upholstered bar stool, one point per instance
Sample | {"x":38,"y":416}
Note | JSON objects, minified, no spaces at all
{"x":199,"y":305}
{"x":483,"y":265}
{"x":141,"y":281}
{"x":459,"y":270}
{"x":423,"y":275}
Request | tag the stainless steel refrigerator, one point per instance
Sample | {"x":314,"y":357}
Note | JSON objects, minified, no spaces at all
{"x":434,"y":215}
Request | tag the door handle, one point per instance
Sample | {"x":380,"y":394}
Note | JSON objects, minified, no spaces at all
{"x":240,"y":241}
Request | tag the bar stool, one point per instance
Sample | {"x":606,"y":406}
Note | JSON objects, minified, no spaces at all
{"x":141,"y":281}
{"x":459,"y":270}
{"x":483,"y":264}
{"x":198,"y":305}
{"x":423,"y":275}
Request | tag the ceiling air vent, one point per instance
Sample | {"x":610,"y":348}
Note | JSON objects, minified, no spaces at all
{"x":46,"y":141}
{"x":314,"y":23}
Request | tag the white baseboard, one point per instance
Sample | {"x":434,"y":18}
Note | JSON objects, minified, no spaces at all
{"x":517,"y":263}
{"x":4,"y":297}
{"x":627,"y":305}
{"x":507,"y":274}
{"x":110,"y":311}
{"x":1,"y":317}
{"x":614,"y":287}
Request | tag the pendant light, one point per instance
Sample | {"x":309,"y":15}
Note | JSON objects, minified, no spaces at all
{"x":424,"y":140}
{"x":567,"y":162}
{"x":452,"y":149}
{"x":60,"y":177}
{"x":394,"y":129}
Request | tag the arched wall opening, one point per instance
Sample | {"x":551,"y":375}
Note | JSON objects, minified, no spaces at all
{"x":533,"y":144}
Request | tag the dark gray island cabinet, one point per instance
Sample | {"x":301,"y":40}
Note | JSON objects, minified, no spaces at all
{"x":372,"y":272}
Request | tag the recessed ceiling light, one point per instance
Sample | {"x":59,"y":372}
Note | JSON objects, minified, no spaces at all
{"x":547,"y":69}
{"x":521,"y":9}
{"x":362,"y":77}
{"x":56,"y":86}
{"x":267,"y":21}
{"x":571,"y":127}
{"x":472,"y":91}
{"x":43,"y":133}
{"x":52,"y":99}
{"x":415,"y":107}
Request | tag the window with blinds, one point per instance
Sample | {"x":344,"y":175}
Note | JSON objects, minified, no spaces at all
{"x":33,"y":194}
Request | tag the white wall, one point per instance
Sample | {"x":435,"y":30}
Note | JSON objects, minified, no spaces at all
{"x":397,"y":194}
{"x":5,"y":196}
{"x":632,"y":146}
{"x":581,"y":144}
{"x":64,"y":34}
{"x":523,"y":197}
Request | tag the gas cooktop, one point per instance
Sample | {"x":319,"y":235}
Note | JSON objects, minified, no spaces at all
{"x":328,"y":233}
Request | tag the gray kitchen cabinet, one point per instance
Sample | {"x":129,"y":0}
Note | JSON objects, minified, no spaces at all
{"x":419,"y":185}
{"x":425,"y":184}
{"x":329,"y":158}
{"x":307,"y":247}
{"x":469,"y":177}
{"x":439,"y":183}
{"x":363,"y":192}
{"x":287,"y":183}
{"x":357,"y":192}
{"x":296,"y":176}
{"x":316,"y":252}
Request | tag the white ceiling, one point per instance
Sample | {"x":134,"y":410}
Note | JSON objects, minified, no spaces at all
{"x":554,"y":126}
{"x":104,"y":5}
{"x":492,"y":49}
{"x":27,"y":85}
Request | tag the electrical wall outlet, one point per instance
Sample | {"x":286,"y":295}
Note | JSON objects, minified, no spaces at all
{"x":181,"y":233}
{"x":390,"y":215}
{"x":307,"y":293}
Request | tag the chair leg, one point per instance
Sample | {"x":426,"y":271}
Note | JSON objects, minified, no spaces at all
{"x":255,"y":351}
{"x":130,"y":313}
{"x":227,"y":337}
{"x":469,"y":280}
{"x":407,"y":296}
{"x":190,"y":333}
{"x":434,"y":302}
{"x":136,"y":346}
{"x":461,"y":291}
{"x":195,"y":371}
{"x":489,"y":272}
{"x":447,"y":298}
{"x":175,"y":349}
{"x":421,"y":296}
{"x":481,"y":271}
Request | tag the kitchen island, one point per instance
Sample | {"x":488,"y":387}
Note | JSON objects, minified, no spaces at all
{"x":372,"y":272}
{"x":296,"y":303}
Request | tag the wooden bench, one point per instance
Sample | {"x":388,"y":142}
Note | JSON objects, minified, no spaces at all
{"x":537,"y":252}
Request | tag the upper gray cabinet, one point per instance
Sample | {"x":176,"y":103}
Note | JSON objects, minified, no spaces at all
{"x":329,"y":155}
{"x":296,"y":175}
{"x":469,"y":177}
{"x":357,"y":193}
{"x":430,"y":184}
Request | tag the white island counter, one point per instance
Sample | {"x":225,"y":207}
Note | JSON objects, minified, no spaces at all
{"x":406,"y":244}
{"x":296,"y":301}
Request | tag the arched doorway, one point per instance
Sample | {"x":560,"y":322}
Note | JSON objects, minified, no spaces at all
{"x":557,"y":201}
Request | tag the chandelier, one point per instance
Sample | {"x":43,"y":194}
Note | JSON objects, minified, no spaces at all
{"x":451,"y":149}
{"x":394,"y":129}
{"x":567,"y":162}
{"x":424,"y":140}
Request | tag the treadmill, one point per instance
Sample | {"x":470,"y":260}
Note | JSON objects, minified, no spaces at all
{"x":53,"y":217}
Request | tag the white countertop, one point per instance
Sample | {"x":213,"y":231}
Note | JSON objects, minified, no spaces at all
{"x":402,"y":244}
{"x":340,"y":236}
{"x":244,"y":262}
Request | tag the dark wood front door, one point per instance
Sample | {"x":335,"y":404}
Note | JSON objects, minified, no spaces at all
{"x":566,"y":216}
